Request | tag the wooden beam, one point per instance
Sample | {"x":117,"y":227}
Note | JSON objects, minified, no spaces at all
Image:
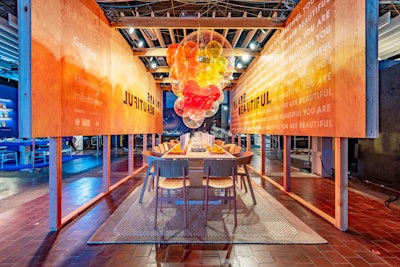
{"x":162,"y":52}
{"x":197,"y":23}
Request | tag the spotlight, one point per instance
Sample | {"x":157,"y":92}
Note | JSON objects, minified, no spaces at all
{"x":246,"y":58}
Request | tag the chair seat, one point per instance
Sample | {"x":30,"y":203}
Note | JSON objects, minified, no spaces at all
{"x":172,"y":183}
{"x":221,"y":183}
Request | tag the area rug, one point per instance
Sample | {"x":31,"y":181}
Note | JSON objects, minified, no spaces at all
{"x":267,"y":222}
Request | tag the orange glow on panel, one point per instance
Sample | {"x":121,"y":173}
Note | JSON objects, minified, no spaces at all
{"x":79,"y":81}
{"x":292,"y":89}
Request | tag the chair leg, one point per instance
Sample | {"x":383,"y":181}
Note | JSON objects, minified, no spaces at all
{"x":250,"y":186}
{"x":155,"y":213}
{"x":243,"y":182}
{"x":206,"y":204}
{"x":234,"y":205}
{"x":151,"y":183}
{"x":185,"y":206}
{"x":144,"y":186}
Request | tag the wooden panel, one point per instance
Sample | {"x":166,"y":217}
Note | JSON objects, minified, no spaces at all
{"x":86,"y":80}
{"x":310,"y":78}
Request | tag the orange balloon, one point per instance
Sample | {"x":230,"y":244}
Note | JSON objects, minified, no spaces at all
{"x":172,"y":73}
{"x":190,"y":49}
{"x":192,"y":67}
{"x":171,"y":50}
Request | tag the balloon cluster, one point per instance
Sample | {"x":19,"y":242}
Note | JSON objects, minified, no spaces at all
{"x":201,"y":66}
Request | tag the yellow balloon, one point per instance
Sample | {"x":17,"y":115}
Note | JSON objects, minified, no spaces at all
{"x":203,"y":56}
{"x":214,"y":48}
{"x":221,"y":64}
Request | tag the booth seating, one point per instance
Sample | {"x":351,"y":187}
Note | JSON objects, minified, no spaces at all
{"x":7,"y":155}
{"x":42,"y":152}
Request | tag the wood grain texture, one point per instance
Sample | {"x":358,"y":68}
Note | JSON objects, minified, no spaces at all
{"x":82,"y":72}
{"x":310,"y":77}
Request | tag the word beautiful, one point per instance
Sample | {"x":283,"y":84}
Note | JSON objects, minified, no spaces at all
{"x":147,"y":105}
{"x":244,"y":106}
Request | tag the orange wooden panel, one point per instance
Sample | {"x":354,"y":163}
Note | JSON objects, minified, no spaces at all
{"x":82,"y":72}
{"x":310,"y":78}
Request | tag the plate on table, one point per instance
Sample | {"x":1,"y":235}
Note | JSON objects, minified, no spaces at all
{"x":217,"y":151}
{"x":177,"y":152}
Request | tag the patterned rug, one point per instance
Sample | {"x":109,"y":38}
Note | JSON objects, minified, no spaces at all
{"x":267,"y":222}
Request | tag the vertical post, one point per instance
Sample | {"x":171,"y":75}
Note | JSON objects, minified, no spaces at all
{"x":159,"y":138}
{"x":106,"y":162}
{"x":24,"y":35}
{"x":286,"y":163}
{"x":248,"y":142}
{"x":239,"y":140}
{"x":262,"y":153}
{"x":153,"y":140}
{"x":131,"y":153}
{"x":144,"y":141}
{"x":233,"y":138}
{"x":55,"y":183}
{"x":341,"y":183}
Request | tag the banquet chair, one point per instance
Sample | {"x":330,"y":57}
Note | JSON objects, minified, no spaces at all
{"x":148,"y":157}
{"x":220,"y":174}
{"x":171,"y":174}
{"x":156,"y":149}
{"x":245,"y":158}
{"x":166,"y":147}
{"x":236,"y":149}
{"x":162,"y":148}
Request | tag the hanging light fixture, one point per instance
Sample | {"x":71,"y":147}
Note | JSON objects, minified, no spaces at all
{"x":201,"y":66}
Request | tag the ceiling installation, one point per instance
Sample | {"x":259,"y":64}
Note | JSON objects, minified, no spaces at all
{"x":247,"y":25}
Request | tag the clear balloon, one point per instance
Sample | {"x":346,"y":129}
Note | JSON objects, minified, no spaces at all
{"x":176,"y":88}
{"x":214,"y":109}
{"x":192,"y":124}
{"x":197,"y":115}
{"x":178,"y":108}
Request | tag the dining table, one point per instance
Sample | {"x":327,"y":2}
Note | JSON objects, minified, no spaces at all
{"x":196,"y":159}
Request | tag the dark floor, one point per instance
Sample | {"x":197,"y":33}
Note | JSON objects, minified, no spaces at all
{"x":373,"y":238}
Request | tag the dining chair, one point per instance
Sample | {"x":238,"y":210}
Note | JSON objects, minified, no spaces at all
{"x":156,"y":149}
{"x":171,"y":175}
{"x":220,"y":174}
{"x":237,"y":149}
{"x":149,"y":157}
{"x":245,"y":158}
{"x":162,"y":148}
{"x":166,"y":147}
